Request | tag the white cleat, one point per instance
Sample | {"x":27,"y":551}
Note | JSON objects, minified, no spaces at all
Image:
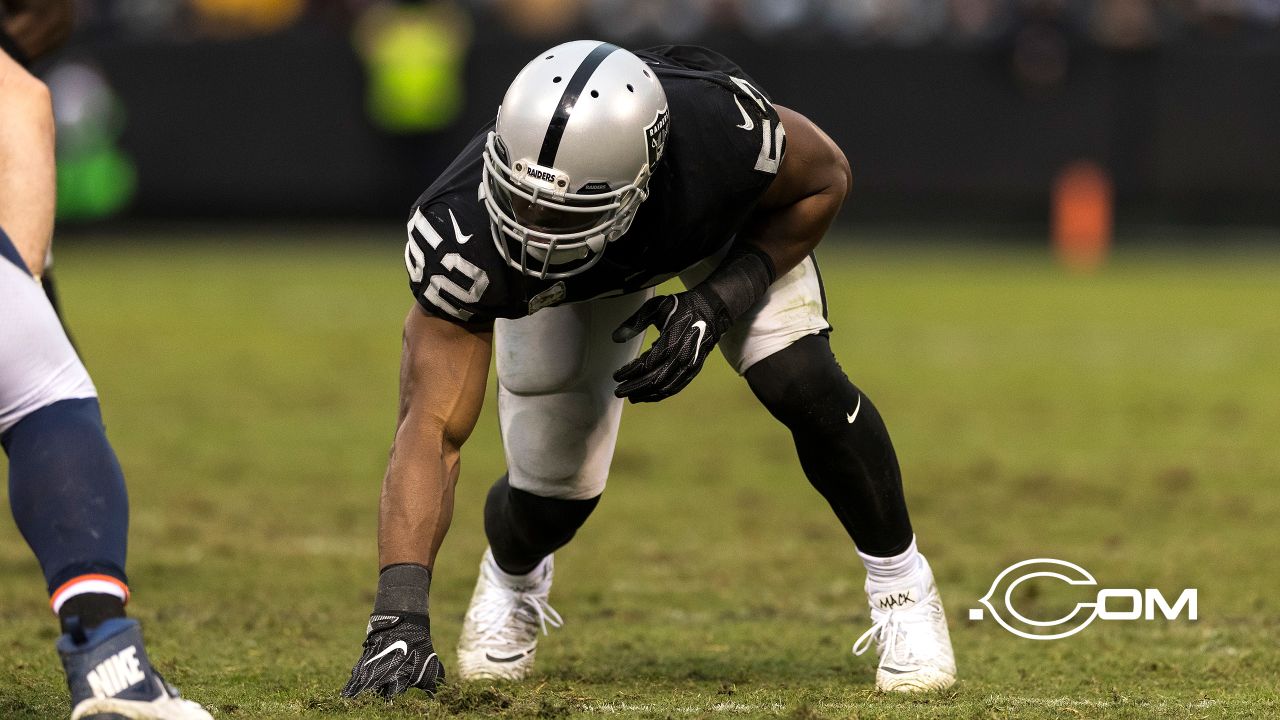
{"x":164,"y":707}
{"x":500,"y":632}
{"x":910,"y":632}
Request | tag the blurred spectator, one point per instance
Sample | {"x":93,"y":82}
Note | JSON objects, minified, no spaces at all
{"x":95,"y":178}
{"x":1126,"y":24}
{"x":238,"y":17}
{"x":772,"y":17}
{"x":540,"y":18}
{"x":675,"y":20}
{"x":1121,"y":24}
{"x":975,"y":22}
{"x":414,"y":54}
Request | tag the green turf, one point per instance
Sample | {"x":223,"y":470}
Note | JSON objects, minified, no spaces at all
{"x":1126,"y":421}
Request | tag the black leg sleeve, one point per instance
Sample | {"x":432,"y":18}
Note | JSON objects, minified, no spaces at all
{"x":842,"y":442}
{"x":524,"y":528}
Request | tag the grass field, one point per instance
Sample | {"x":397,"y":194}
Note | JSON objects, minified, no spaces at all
{"x":1125,"y":421}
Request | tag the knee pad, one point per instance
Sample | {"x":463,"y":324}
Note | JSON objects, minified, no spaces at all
{"x":803,"y":383}
{"x":523,"y":528}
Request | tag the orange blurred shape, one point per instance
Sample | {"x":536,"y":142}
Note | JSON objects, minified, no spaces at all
{"x":1082,"y":215}
{"x":241,"y":17}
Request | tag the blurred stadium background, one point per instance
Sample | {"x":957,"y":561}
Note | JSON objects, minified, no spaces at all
{"x":234,"y":178}
{"x":949,"y":110}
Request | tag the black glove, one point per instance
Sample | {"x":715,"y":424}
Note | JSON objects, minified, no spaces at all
{"x":690,"y":325}
{"x":397,"y":656}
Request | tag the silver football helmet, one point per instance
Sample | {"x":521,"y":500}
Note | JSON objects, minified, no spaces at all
{"x":565,"y":170}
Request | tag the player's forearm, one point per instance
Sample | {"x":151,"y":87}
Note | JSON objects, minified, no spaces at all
{"x":417,"y":495}
{"x":444,"y":370}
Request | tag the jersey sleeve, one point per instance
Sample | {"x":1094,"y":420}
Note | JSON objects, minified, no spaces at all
{"x":755,"y":131}
{"x":732,"y":141}
{"x":452,"y":269}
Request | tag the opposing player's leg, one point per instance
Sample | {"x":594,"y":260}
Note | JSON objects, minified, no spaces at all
{"x":559,"y":422}
{"x":781,"y":347}
{"x":65,"y":486}
{"x":68,"y":498}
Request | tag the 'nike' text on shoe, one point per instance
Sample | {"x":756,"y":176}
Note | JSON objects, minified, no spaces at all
{"x":110,"y":676}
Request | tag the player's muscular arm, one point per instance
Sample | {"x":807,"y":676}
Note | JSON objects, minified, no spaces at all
{"x":443,"y":372}
{"x":812,"y":182}
{"x":788,"y":222}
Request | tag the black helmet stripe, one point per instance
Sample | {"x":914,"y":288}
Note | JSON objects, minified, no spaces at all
{"x":555,"y":130}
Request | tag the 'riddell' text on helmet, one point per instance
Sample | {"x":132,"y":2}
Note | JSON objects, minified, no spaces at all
{"x":569,"y":161}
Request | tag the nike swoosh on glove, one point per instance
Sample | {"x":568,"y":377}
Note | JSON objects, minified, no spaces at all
{"x":397,"y":656}
{"x":690,"y":324}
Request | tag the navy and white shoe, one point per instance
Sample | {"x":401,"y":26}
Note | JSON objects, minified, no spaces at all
{"x":111,"y":678}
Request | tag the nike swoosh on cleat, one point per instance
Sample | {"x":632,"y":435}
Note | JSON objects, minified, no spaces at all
{"x":513,"y":658}
{"x":747,"y":122}
{"x":397,"y":645}
{"x":702,"y":331}
{"x":895,"y":671}
{"x":854,"y":415}
{"x":457,"y":231}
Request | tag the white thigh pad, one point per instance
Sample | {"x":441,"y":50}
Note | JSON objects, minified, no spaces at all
{"x":556,"y":406}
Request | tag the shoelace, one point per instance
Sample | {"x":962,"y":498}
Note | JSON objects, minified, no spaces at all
{"x":863,"y":643}
{"x":492,"y":617}
{"x":888,"y":629}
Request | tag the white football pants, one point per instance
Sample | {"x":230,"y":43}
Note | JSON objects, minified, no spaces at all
{"x":38,"y":366}
{"x":556,"y":406}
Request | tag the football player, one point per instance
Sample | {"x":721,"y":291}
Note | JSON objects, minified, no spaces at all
{"x":65,"y":486}
{"x":605,"y":173}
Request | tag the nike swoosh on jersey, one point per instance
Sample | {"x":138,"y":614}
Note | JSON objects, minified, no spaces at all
{"x":400,"y":645}
{"x":747,"y":122}
{"x":457,"y":231}
{"x":702,"y":331}
{"x":854,"y":415}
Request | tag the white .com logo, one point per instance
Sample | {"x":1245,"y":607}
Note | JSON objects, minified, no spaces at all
{"x":1110,"y":603}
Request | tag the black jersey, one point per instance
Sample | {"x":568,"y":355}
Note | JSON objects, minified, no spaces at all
{"x":722,"y":151}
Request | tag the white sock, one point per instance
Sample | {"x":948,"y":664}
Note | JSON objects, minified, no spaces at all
{"x":895,"y":569}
